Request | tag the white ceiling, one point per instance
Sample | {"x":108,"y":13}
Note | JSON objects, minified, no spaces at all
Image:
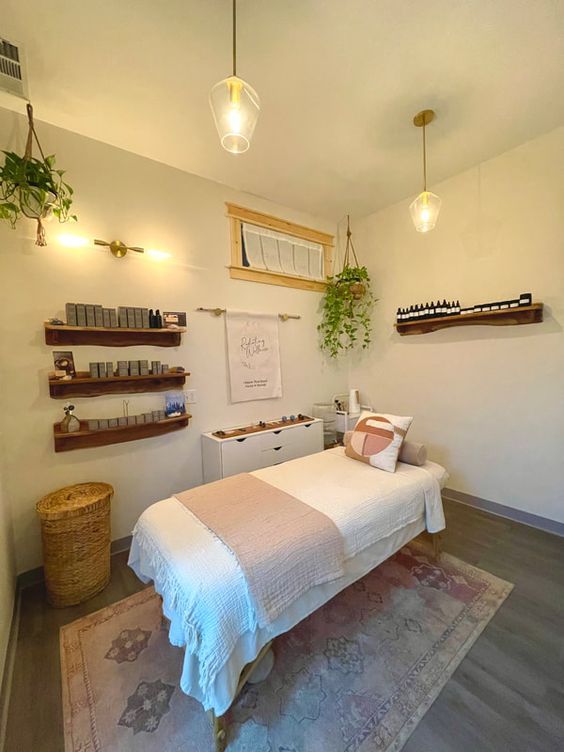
{"x":339,"y":83}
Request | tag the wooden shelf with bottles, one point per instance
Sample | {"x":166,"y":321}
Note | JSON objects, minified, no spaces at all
{"x":60,"y":334}
{"x":83,"y":385}
{"x":84,"y":439}
{"x":531,"y":314}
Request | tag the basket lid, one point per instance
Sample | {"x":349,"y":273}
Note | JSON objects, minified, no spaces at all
{"x":74,"y":500}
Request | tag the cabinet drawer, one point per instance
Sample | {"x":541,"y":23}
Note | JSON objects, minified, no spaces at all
{"x":276,"y":455}
{"x":241,"y":456}
{"x":281,"y":437}
{"x":305,"y":439}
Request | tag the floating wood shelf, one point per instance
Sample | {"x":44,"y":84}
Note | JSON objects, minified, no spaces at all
{"x":532,"y":314}
{"x":83,"y":385}
{"x":83,"y":439}
{"x":94,"y":335}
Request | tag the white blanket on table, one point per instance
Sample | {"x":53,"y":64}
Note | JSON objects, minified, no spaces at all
{"x":200,"y":579}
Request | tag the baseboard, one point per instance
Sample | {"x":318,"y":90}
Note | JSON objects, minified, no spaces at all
{"x":510,"y":513}
{"x":7,"y":676}
{"x":35,"y":576}
{"x":120,"y":545}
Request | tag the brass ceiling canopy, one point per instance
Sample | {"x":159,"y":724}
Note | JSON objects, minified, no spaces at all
{"x":424,"y":118}
{"x":118,"y":248}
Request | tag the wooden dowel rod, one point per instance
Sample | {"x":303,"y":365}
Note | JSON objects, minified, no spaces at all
{"x":219,"y":311}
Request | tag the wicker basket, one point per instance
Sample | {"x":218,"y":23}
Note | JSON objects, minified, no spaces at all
{"x":75,"y":529}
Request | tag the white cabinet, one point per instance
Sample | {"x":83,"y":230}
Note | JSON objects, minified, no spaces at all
{"x":229,"y":456}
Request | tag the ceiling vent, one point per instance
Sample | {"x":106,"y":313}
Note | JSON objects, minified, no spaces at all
{"x":11,"y":69}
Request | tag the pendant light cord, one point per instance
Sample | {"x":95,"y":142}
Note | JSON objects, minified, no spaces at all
{"x":424,"y":160}
{"x":234,"y":37}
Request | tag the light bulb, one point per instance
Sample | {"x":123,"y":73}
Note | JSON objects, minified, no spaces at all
{"x":234,"y":120}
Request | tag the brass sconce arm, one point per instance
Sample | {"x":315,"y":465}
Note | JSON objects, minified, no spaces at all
{"x":118,"y":248}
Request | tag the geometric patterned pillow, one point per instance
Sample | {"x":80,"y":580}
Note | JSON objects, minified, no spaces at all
{"x":377,"y":439}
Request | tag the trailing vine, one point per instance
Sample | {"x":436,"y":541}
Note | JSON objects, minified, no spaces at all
{"x":32,"y":187}
{"x":347,"y":307}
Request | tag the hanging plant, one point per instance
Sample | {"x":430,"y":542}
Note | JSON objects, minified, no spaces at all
{"x":347,"y":306}
{"x":32,"y":187}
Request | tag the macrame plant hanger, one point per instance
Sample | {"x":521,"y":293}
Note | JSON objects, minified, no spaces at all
{"x":349,"y":248}
{"x":356,"y":287}
{"x":31,"y":134}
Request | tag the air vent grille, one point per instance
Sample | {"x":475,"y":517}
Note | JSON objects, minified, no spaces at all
{"x":11,"y":71}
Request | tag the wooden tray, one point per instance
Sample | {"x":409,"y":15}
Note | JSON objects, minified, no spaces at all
{"x":270,"y":426}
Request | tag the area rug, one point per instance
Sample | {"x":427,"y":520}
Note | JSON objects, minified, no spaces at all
{"x":358,"y":674}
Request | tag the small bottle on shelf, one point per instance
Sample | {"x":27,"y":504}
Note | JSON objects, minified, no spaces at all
{"x":525,"y":299}
{"x":158,"y":320}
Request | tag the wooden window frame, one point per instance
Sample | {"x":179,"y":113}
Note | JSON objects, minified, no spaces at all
{"x":239,"y":214}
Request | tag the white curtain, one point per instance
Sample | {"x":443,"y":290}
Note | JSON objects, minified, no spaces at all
{"x":281,"y":253}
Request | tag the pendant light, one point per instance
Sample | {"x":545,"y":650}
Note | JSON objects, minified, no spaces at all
{"x":235,"y":105}
{"x":425,"y":209}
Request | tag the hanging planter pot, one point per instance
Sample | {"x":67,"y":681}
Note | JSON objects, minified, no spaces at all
{"x":32,"y":187}
{"x":358,"y":290}
{"x":347,"y":306}
{"x":35,"y":202}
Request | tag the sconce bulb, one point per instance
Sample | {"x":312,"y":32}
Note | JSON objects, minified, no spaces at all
{"x":72,"y":241}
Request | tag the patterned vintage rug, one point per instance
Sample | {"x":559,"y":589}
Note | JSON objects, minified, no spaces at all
{"x":356,"y":675}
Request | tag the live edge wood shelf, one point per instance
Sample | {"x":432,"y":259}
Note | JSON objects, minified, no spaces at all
{"x":83,"y":385}
{"x":83,"y":439}
{"x":532,"y":314}
{"x":93,"y":335}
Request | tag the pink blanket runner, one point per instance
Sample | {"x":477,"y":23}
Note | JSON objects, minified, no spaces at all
{"x":283,"y":546}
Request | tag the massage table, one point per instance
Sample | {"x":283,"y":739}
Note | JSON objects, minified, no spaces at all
{"x":200,"y":582}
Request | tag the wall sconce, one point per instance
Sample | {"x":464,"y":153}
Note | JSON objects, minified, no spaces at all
{"x":118,"y":248}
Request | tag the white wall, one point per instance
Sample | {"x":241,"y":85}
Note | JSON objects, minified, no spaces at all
{"x":120,"y":195}
{"x":7,"y":573}
{"x":488,"y":401}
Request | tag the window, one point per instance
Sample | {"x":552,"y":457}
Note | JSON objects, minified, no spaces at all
{"x":276,"y":252}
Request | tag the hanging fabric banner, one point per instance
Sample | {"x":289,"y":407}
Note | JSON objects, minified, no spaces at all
{"x":254,"y":356}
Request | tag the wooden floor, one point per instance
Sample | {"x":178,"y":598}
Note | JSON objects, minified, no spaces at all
{"x":507,"y":695}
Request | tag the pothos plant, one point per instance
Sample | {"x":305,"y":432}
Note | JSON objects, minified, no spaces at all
{"x":33,"y":187}
{"x":347,"y":307}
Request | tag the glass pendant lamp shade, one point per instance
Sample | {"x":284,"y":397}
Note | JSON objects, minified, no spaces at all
{"x":235,"y":106}
{"x":424,"y":211}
